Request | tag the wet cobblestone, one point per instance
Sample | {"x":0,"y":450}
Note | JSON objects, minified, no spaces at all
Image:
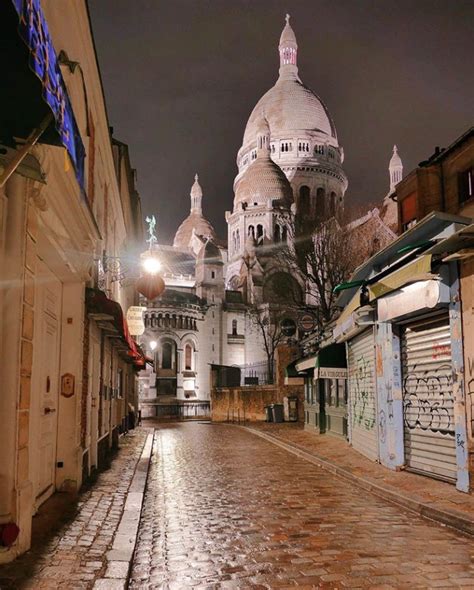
{"x":74,"y":555}
{"x":225,"y":509}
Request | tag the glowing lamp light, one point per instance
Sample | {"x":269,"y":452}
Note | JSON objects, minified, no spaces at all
{"x":151,"y":265}
{"x":153,"y":344}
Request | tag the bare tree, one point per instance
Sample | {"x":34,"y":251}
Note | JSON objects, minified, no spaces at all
{"x":268,"y":318}
{"x":321,"y":255}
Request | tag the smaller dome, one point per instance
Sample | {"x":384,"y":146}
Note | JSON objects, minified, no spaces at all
{"x":263,"y":180}
{"x":194,"y":221}
{"x":288,"y":37}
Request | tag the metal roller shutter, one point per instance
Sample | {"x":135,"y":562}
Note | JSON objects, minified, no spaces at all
{"x":428,"y":403}
{"x":362,"y":394}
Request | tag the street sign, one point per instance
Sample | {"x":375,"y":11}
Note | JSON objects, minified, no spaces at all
{"x":135,"y":321}
{"x":306,"y":322}
{"x":288,"y":327}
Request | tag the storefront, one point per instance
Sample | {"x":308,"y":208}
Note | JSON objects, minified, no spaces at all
{"x":403,"y":332}
{"x":325,"y":378}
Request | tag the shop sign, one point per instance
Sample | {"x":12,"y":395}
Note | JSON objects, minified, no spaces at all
{"x":135,"y":322}
{"x":330,"y":373}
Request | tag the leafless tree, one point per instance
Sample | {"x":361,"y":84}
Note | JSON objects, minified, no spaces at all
{"x":321,"y":255}
{"x":267,"y":319}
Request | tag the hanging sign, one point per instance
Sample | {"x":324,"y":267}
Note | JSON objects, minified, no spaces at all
{"x":306,"y":322}
{"x":135,"y":322}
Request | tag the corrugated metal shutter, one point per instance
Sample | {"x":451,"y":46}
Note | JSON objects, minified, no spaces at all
{"x":362,"y":394}
{"x":428,"y":403}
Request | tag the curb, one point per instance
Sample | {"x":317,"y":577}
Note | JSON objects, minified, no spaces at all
{"x":119,"y":557}
{"x":449,"y":518}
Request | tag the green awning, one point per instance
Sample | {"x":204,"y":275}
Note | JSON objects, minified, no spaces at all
{"x":331,"y":362}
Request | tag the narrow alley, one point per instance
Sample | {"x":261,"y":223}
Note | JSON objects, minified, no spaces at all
{"x":226,"y":509}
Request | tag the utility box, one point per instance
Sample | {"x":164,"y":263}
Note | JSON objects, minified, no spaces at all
{"x":277,"y":412}
{"x":290,"y":409}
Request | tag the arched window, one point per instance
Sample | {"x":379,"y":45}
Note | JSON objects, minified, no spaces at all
{"x":188,"y":357}
{"x":167,"y":356}
{"x":237,"y":239}
{"x":284,"y":234}
{"x":251,"y":231}
{"x":332,"y":203}
{"x":304,"y":201}
{"x":320,"y":203}
{"x":276,"y":233}
{"x":234,"y":327}
{"x":259,"y":234}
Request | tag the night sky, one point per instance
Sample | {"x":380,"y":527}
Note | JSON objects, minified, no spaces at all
{"x":182,"y":76}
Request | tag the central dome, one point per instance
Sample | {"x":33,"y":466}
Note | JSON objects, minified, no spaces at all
{"x":289,"y":107}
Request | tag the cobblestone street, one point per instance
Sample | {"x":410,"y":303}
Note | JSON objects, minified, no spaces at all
{"x":225,"y":509}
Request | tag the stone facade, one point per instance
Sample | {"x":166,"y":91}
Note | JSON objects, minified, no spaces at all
{"x":67,"y":384}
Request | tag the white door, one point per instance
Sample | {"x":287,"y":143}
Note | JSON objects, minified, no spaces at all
{"x":428,"y":402}
{"x":362,"y":394}
{"x":45,"y":379}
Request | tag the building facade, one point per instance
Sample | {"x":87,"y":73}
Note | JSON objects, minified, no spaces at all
{"x":68,"y":207}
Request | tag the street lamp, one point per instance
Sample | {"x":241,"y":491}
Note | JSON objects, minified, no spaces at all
{"x":153,"y":345}
{"x":151,"y":284}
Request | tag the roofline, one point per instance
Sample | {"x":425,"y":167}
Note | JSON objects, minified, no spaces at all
{"x":437,"y":157}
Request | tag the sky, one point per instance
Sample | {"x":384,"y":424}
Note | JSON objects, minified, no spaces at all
{"x":181,"y":78}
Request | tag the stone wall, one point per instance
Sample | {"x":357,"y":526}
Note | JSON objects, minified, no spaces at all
{"x":247,"y":404}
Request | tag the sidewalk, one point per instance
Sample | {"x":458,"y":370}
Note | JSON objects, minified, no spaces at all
{"x":428,"y":497}
{"x":71,"y":539}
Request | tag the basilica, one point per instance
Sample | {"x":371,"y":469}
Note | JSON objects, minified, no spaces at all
{"x":290,"y":166}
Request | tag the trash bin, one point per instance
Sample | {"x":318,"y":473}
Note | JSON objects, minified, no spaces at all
{"x":268,"y":414}
{"x":277,"y":412}
{"x":290,"y":408}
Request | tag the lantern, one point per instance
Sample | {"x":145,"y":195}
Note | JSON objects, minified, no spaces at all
{"x":150,"y":286}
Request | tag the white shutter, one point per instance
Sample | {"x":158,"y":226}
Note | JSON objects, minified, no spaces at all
{"x":428,"y":403}
{"x":362,"y":394}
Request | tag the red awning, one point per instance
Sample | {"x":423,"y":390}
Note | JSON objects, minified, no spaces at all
{"x":107,"y":311}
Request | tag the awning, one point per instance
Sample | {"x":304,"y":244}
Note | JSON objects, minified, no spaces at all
{"x":331,"y":362}
{"x":32,"y":83}
{"x":328,"y":363}
{"x":110,"y":318}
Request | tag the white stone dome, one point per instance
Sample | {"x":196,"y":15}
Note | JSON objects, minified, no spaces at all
{"x":291,"y":109}
{"x":195,"y":221}
{"x":263,"y":181}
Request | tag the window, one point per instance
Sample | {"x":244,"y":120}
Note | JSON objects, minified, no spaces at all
{"x":234,"y":327}
{"x":259,"y":234}
{"x":188,"y":357}
{"x":213,"y":274}
{"x":251,"y":231}
{"x":320,"y":203}
{"x":332,"y":203}
{"x":284,"y":233}
{"x":276,"y":233}
{"x":408,"y":211}
{"x":167,"y":356}
{"x":304,"y":201}
{"x":318,"y":149}
{"x":466,"y":185}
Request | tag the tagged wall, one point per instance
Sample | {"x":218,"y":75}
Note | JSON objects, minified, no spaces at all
{"x":467,"y":298}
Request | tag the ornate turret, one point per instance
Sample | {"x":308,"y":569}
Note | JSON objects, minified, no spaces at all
{"x":196,"y":196}
{"x":288,"y":50}
{"x":395,"y":169}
